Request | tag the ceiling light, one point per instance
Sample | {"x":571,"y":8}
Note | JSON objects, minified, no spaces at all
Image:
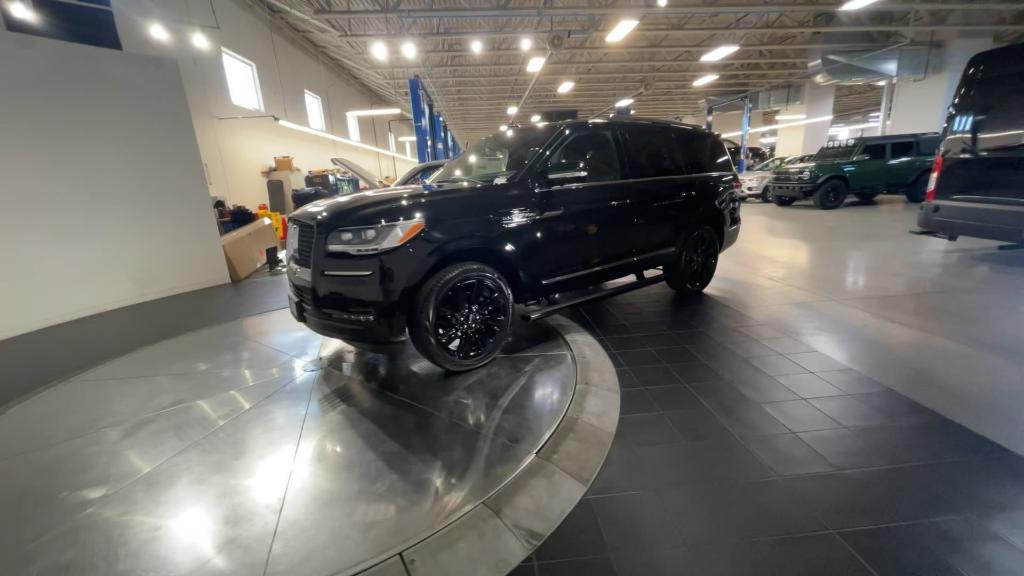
{"x":509,"y":132}
{"x":476,"y":46}
{"x":881,"y":83}
{"x":158,"y":32}
{"x":624,"y":27}
{"x":790,"y":116}
{"x":21,"y":11}
{"x":407,"y":139}
{"x":199,"y":40}
{"x":719,"y":53}
{"x":503,"y":127}
{"x":512,"y":110}
{"x":856,"y":4}
{"x":662,"y":3}
{"x":535,"y":118}
{"x":408,"y":50}
{"x":760,"y":129}
{"x":379,"y":51}
{"x":565,"y":86}
{"x":374,"y":112}
{"x":535,"y":64}
{"x":705,"y":79}
{"x":525,"y":44}
{"x":624,"y":102}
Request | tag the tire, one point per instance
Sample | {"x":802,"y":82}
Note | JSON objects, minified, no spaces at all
{"x":461,"y":316}
{"x":830,"y":195}
{"x":915,"y":194}
{"x":783,"y":200}
{"x":865,"y":197}
{"x":766,"y":195}
{"x":696,"y":262}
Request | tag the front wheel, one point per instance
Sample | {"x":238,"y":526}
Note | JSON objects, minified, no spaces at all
{"x":830,"y":195}
{"x":766,"y":195}
{"x":694,"y":267}
{"x":462,"y":316}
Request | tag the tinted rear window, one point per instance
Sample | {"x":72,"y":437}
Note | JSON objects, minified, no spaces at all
{"x":703,"y":152}
{"x":652,"y":152}
{"x":987,"y":112}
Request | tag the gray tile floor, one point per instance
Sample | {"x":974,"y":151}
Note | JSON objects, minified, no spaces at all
{"x":762,"y":432}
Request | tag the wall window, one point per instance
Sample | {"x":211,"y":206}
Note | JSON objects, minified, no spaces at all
{"x":315,"y":111}
{"x":243,"y":82}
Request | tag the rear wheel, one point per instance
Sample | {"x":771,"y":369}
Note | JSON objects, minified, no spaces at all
{"x":830,"y":195}
{"x":915,"y":193}
{"x":783,"y":200}
{"x":865,"y":197}
{"x":695,"y":266}
{"x":462,"y":316}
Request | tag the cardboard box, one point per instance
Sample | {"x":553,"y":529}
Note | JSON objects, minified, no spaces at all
{"x":245,"y":249}
{"x":284,"y":163}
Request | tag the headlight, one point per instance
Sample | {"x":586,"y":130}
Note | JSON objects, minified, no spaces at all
{"x":373,"y":239}
{"x":805,"y":175}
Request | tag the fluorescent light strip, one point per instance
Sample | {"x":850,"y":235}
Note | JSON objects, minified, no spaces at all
{"x":535,"y":64}
{"x":854,"y":127}
{"x":624,"y":102}
{"x":565,"y":86}
{"x":330,"y":136}
{"x":705,"y":79}
{"x":719,"y":53}
{"x":783,"y":125}
{"x":790,"y":116}
{"x":406,"y":138}
{"x":621,"y":30}
{"x":857,"y":4}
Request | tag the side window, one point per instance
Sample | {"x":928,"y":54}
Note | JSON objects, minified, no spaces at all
{"x":874,"y":151}
{"x":590,"y":152}
{"x":719,"y":157}
{"x":652,"y":153}
{"x":694,"y":146}
{"x":901,"y":150}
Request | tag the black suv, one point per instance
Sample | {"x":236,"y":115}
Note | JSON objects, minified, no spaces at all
{"x":977,"y":180}
{"x":519,"y":217}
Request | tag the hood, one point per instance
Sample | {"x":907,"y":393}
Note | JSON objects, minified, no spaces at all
{"x":365,"y":207}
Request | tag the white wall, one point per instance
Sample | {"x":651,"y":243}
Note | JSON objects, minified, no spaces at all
{"x":234,"y":151}
{"x":102,"y":193}
{"x":919,"y":105}
{"x":807,"y":138}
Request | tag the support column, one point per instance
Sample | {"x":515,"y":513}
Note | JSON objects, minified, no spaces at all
{"x":811,"y":135}
{"x":919,"y":104}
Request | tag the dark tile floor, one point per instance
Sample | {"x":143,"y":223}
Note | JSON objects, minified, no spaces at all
{"x":743,"y":451}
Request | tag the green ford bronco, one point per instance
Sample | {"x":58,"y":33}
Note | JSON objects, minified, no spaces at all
{"x":865,"y":167}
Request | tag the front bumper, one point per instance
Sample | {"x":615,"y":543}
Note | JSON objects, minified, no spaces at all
{"x":1004,"y":223}
{"x":792,"y":189}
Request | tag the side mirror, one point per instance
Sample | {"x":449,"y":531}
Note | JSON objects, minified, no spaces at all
{"x":860,"y":157}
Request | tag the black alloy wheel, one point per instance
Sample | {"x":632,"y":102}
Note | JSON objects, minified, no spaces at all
{"x":830,"y":195}
{"x":697,"y":262}
{"x":462,"y":317}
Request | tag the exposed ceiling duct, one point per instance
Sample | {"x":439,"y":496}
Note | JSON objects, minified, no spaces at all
{"x":862,"y":66}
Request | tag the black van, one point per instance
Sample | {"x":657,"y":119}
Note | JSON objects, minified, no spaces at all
{"x":520,"y":217}
{"x":976,"y":187}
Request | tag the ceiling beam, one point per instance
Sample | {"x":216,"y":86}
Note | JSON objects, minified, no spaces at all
{"x":651,"y":11}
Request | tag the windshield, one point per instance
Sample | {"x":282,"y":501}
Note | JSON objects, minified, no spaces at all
{"x":836,"y":150}
{"x":495,"y":158}
{"x":768,"y":165}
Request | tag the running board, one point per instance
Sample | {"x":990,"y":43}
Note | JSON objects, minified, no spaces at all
{"x":545,"y":311}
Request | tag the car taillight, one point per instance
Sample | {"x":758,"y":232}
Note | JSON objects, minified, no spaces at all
{"x":737,"y":185}
{"x":933,"y":179}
